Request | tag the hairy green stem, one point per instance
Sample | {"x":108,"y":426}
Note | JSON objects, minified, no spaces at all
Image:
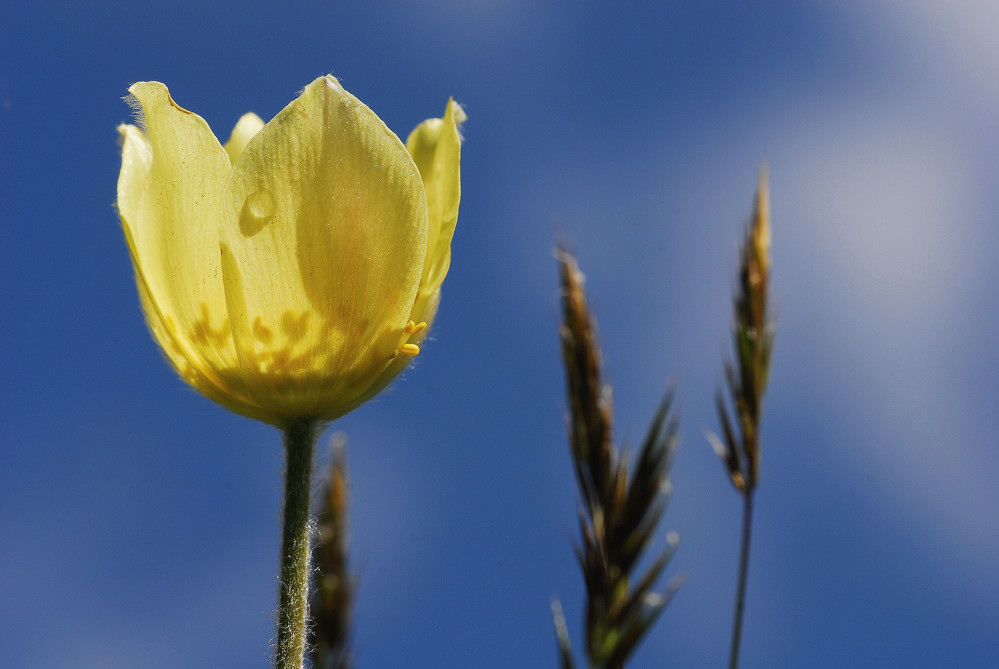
{"x":299,"y":445}
{"x":740,"y":597}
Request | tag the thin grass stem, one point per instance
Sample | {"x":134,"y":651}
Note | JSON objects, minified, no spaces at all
{"x":740,"y":597}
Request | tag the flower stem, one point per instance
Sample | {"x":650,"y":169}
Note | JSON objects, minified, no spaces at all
{"x":740,"y":597}
{"x":299,"y":445}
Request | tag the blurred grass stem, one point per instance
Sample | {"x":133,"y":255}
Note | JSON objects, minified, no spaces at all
{"x":740,"y":597}
{"x":299,"y":444}
{"x":331,"y":604}
{"x":753,"y":331}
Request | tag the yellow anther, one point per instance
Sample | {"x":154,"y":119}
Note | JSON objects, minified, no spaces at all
{"x":409,"y":349}
{"x":412,"y":328}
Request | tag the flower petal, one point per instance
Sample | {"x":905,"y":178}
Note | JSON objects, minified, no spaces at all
{"x":247,"y":126}
{"x":323,"y":242}
{"x":136,"y":162}
{"x":436,"y":148}
{"x":205,"y":380}
{"x":169,"y":194}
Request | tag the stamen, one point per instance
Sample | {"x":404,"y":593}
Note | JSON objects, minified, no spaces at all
{"x":409,"y":349}
{"x":412,"y":328}
{"x":203,"y":334}
{"x":294,"y":326}
{"x":263,"y":333}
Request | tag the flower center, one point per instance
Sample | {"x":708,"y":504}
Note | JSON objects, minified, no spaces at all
{"x":281,"y":352}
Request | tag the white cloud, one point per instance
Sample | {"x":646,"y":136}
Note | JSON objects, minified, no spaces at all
{"x":882,"y":224}
{"x":952,"y":44}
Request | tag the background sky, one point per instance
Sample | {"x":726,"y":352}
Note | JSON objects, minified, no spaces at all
{"x":139,"y":521}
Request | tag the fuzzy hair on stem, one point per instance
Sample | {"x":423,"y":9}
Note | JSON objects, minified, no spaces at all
{"x":293,"y":583}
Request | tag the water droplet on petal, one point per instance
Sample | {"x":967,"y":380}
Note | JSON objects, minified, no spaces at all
{"x":258,"y":211}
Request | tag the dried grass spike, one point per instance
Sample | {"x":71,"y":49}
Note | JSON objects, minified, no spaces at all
{"x":621,"y":505}
{"x":333,"y":587}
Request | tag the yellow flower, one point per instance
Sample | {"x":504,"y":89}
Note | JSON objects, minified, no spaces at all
{"x":291,"y":272}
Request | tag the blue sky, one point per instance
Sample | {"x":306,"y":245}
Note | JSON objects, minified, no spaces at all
{"x":139,"y":521}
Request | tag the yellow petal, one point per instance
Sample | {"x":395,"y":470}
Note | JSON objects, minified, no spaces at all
{"x":169,"y":199}
{"x":427,"y":306}
{"x":247,"y":126}
{"x":205,"y":380}
{"x":436,"y":148}
{"x":136,"y":161}
{"x":323,"y":245}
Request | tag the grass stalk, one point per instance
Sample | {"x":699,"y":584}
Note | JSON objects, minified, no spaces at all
{"x":333,"y":586}
{"x":620,"y":504}
{"x":740,"y":596}
{"x":746,"y":381}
